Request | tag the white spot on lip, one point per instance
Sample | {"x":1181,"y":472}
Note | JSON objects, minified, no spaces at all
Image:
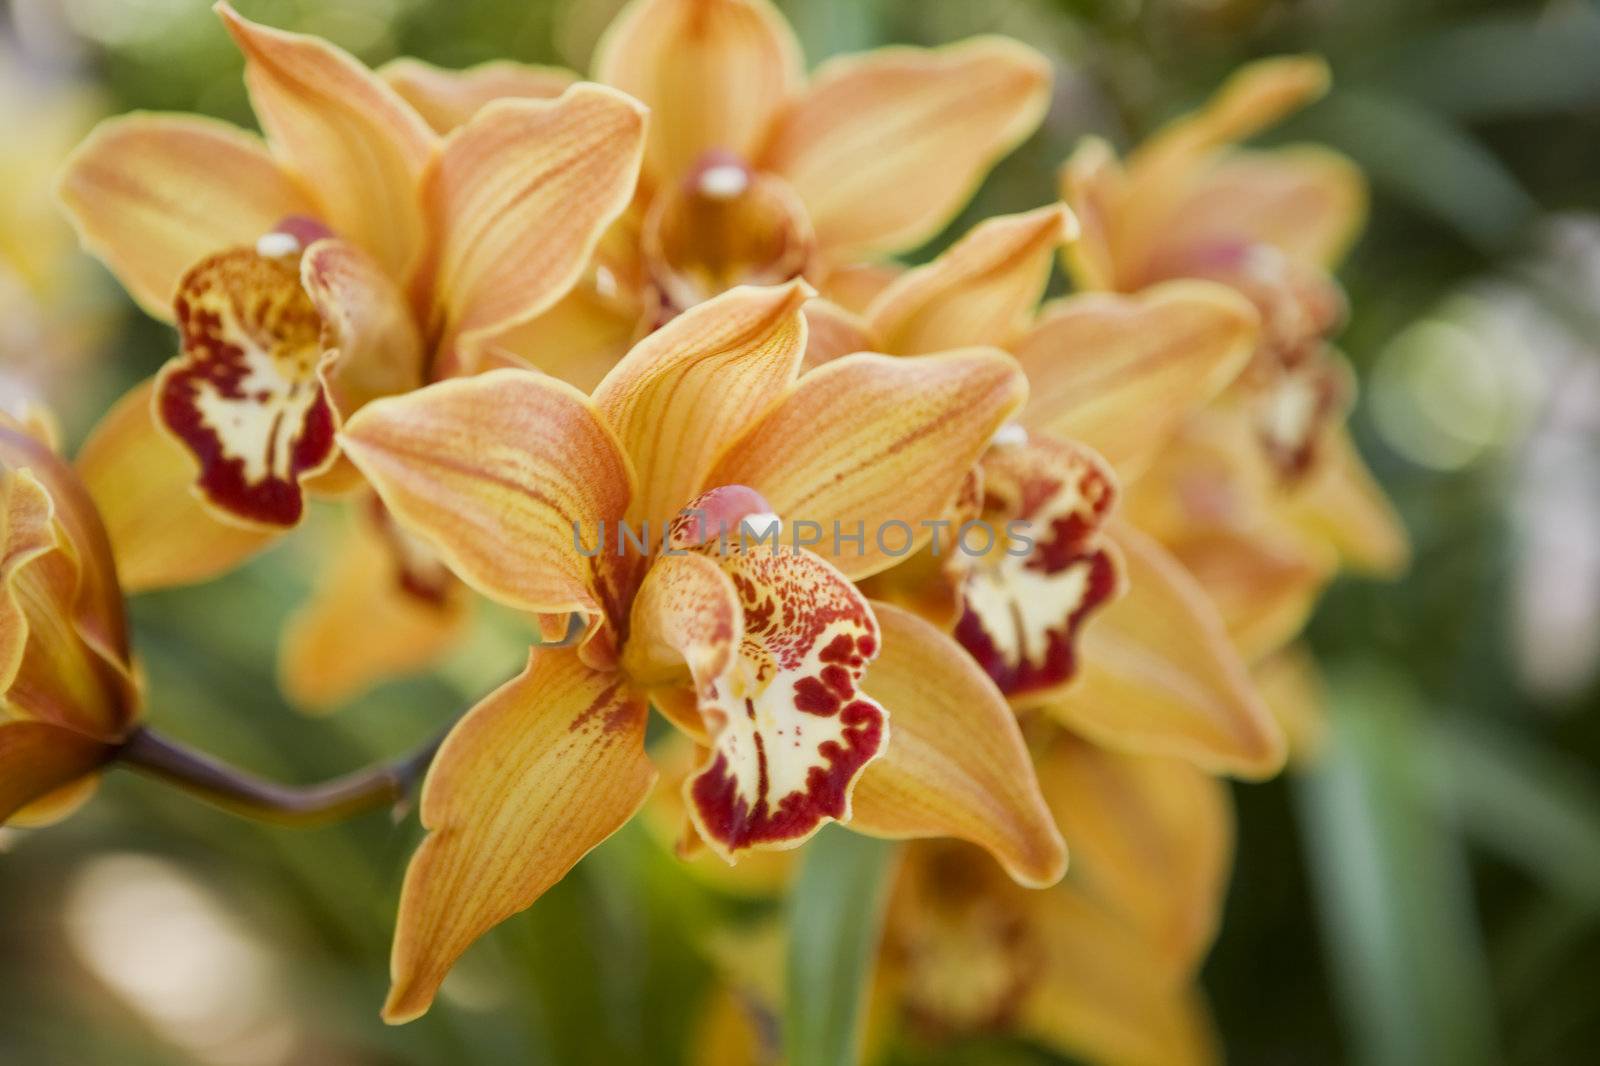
{"x":724,"y":181}
{"x":605,"y":283}
{"x":277,"y":245}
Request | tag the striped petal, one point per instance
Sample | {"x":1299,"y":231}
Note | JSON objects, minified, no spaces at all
{"x":348,"y":138}
{"x":875,"y":448}
{"x":152,"y":195}
{"x":690,"y":387}
{"x":713,"y":73}
{"x":1120,"y":373}
{"x":983,"y":290}
{"x":449,"y":98}
{"x":956,"y":765}
{"x":788,"y":728}
{"x":534,"y":776}
{"x":1152,"y":839}
{"x":502,"y":474}
{"x":885,"y":147}
{"x":382,"y":607}
{"x":142,"y":484}
{"x":1160,"y":676}
{"x":518,"y":202}
{"x":1044,"y":570}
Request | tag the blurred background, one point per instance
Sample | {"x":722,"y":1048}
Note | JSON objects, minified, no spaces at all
{"x":1428,"y":893}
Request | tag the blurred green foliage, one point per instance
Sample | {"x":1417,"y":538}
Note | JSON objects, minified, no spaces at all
{"x":1430,"y":894}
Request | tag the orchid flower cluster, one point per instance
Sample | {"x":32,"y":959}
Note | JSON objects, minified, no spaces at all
{"x":500,"y":315}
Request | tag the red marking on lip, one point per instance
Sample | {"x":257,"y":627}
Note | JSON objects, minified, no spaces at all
{"x":729,"y":818}
{"x":230,"y":301}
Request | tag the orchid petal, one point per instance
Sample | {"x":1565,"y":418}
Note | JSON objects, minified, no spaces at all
{"x":1120,"y":373}
{"x":449,"y":98}
{"x":870,"y":441}
{"x":377,"y":611}
{"x":518,"y":201}
{"x":885,"y":147}
{"x":1343,"y":503}
{"x":690,"y":387}
{"x":346,"y":135}
{"x":152,"y":195}
{"x":956,"y":765}
{"x":831,"y":332}
{"x":1159,"y":675}
{"x":141,"y":481}
{"x":37,"y":761}
{"x":502,"y":474}
{"x":537,"y":774}
{"x":982,"y":290}
{"x":1152,"y":838}
{"x":712,"y":72}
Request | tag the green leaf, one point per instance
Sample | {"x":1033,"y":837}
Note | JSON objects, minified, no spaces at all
{"x":835,"y":920}
{"x":1392,"y":887}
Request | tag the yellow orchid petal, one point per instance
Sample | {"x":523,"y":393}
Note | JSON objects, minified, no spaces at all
{"x":1263,"y":582}
{"x":98,"y":599}
{"x":831,"y":332}
{"x":141,"y":481}
{"x":1120,"y":373}
{"x":245,"y":397}
{"x":64,"y":653}
{"x":956,"y":765}
{"x":151,"y":195}
{"x":870,"y":442}
{"x":518,"y":202}
{"x":723,"y":225}
{"x":1342,"y":502}
{"x":37,"y":761}
{"x":1256,"y":96}
{"x":789,"y":731}
{"x":1027,"y":594}
{"x":504,"y":474}
{"x":578,"y":340}
{"x":982,"y":290}
{"x":356,"y":146}
{"x":855,"y":285}
{"x":449,"y":98}
{"x":1152,"y":840}
{"x":376,"y":612}
{"x":1292,"y":685}
{"x":712,"y":72}
{"x":885,"y":147}
{"x":1159,"y":675}
{"x":1306,"y":201}
{"x":370,"y":338}
{"x":1093,"y":185}
{"x":1162,"y":170}
{"x":1101,"y":998}
{"x":537,"y":774}
{"x":690,"y":387}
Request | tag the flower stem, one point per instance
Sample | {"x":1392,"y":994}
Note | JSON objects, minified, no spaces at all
{"x":385,"y":784}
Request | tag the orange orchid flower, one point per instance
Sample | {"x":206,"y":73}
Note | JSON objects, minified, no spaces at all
{"x":1097,"y":625}
{"x":356,"y":253}
{"x":755,"y":173}
{"x":1102,"y":967}
{"x":1264,"y":494}
{"x":69,"y":694}
{"x":811,"y":703}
